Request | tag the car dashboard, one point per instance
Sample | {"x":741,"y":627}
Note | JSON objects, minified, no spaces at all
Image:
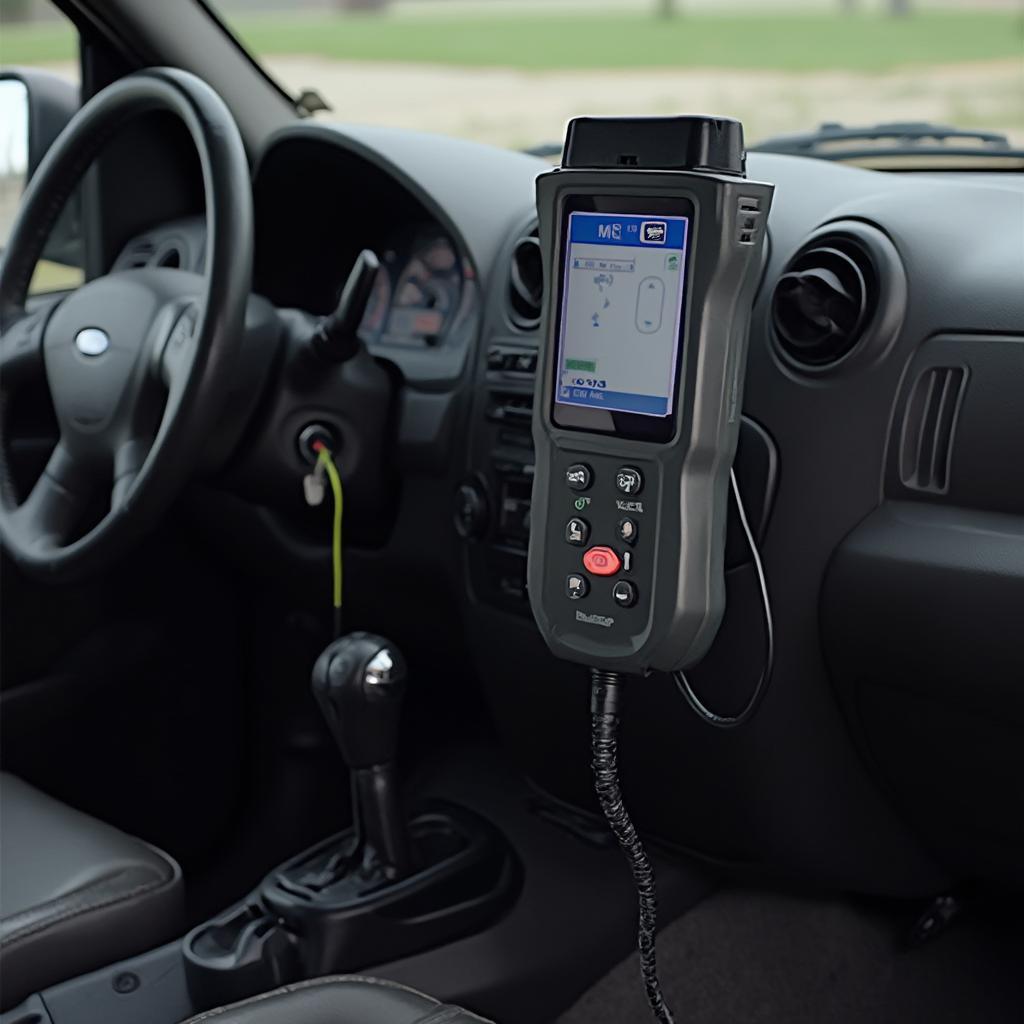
{"x":885,"y":483}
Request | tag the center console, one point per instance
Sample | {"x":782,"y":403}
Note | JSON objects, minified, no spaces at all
{"x":492,"y":505}
{"x":392,"y":884}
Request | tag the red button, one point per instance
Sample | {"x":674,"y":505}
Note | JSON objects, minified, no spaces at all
{"x":601,"y":561}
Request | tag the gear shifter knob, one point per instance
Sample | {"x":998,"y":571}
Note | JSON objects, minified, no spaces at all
{"x":359,"y":683}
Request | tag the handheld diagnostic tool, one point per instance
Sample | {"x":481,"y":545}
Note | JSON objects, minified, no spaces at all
{"x":652,"y":239}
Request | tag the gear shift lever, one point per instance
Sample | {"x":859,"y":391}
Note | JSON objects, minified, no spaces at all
{"x":359,"y":683}
{"x":389,"y":887}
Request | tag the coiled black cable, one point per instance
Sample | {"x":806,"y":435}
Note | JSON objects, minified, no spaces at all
{"x":604,"y":711}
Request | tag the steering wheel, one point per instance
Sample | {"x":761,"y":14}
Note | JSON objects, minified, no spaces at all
{"x":137,"y":363}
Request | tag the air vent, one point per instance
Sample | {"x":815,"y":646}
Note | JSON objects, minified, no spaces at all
{"x":170,"y":257}
{"x":526,"y":283}
{"x":928,"y":427}
{"x":140,"y":254}
{"x":824,"y":301}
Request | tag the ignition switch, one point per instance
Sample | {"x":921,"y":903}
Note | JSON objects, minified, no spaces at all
{"x":310,"y":436}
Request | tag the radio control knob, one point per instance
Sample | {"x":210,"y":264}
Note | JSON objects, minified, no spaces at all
{"x":471,"y":512}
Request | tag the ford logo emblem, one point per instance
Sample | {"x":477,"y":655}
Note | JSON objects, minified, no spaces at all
{"x":91,"y":341}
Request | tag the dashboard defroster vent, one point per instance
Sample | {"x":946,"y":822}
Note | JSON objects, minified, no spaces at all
{"x":824,"y":300}
{"x":926,"y":446}
{"x":526,"y":283}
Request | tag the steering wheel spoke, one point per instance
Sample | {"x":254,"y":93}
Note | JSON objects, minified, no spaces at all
{"x":21,"y":347}
{"x":129,"y":458}
{"x":178,"y":351}
{"x":56,"y":504}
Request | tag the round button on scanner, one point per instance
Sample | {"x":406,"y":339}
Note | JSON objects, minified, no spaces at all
{"x":578,"y":476}
{"x":577,"y":531}
{"x":576,"y":586}
{"x":624,"y":594}
{"x":602,"y":561}
{"x":627,"y":530}
{"x":629,"y":480}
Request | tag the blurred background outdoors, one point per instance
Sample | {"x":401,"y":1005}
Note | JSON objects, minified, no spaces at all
{"x":511,"y":72}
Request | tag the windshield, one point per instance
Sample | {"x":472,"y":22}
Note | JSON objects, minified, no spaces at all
{"x":511,"y":72}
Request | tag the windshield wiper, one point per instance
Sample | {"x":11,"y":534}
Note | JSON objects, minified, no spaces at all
{"x":832,"y":141}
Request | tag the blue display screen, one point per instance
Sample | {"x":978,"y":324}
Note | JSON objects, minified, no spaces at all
{"x":622,"y":303}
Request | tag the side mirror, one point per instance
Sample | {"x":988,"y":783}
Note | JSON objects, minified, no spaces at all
{"x":35,"y":107}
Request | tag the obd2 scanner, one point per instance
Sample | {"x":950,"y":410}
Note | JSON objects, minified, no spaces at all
{"x":652,"y":239}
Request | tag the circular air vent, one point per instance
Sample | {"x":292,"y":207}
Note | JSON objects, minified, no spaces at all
{"x":824,"y":301}
{"x":526,"y":283}
{"x":169,"y":257}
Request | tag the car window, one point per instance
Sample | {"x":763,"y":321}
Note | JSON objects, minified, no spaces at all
{"x":512,"y":71}
{"x":35,"y":35}
{"x":13,"y":151}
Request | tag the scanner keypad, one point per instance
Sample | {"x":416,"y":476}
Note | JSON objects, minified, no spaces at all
{"x":606,"y":565}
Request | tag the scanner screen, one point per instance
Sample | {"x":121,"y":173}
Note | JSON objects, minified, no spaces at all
{"x":622,"y":302}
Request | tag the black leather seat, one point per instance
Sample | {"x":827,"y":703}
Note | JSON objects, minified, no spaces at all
{"x":345,"y":999}
{"x":75,"y":894}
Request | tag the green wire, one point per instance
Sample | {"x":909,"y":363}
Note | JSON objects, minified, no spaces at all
{"x":325,"y":459}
